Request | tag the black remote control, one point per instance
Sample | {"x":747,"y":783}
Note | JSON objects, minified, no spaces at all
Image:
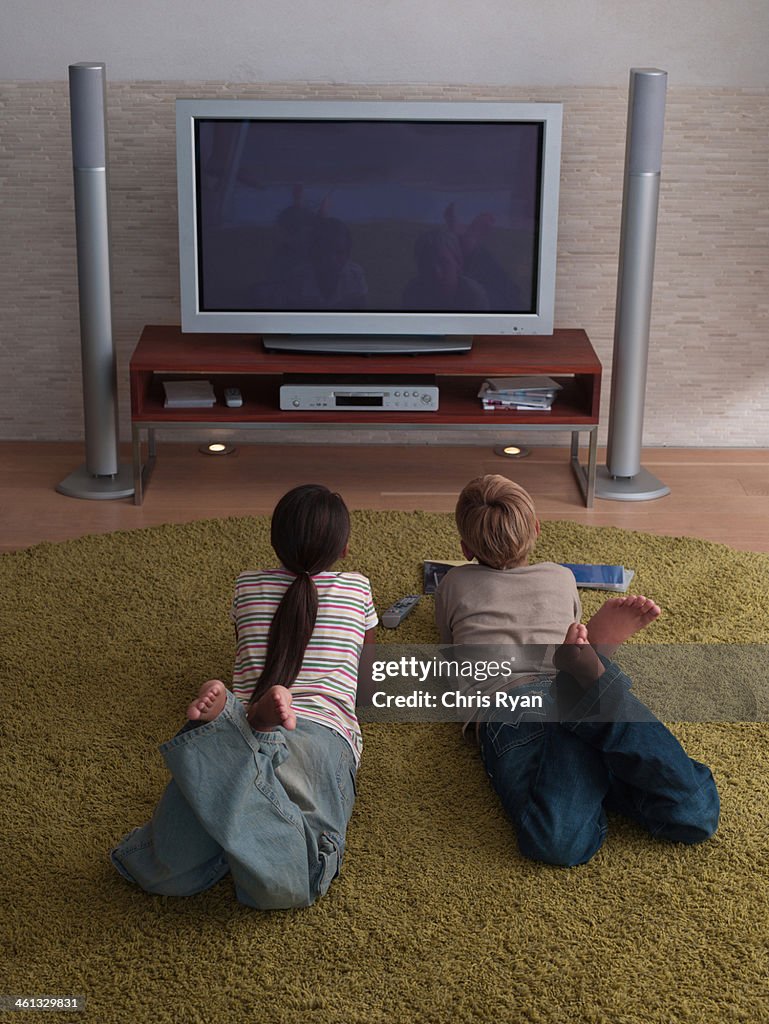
{"x":397,"y":612}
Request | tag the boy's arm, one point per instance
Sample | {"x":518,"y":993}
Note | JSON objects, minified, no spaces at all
{"x":441,"y":616}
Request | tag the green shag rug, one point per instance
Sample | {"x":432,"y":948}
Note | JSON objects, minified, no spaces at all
{"x":436,"y":917}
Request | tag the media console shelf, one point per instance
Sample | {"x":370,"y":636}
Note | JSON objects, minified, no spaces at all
{"x":229,"y":360}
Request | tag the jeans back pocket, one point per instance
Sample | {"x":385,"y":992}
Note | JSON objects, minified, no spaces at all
{"x":502,"y":736}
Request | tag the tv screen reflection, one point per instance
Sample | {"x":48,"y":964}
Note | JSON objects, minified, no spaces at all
{"x":385,"y":217}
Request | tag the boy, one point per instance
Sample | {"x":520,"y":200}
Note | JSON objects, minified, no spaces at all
{"x":592,"y":746}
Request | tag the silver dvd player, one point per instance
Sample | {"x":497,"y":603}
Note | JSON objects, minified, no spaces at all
{"x":356,"y":392}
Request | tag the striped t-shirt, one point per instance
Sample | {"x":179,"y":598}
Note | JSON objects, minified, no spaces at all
{"x":325,"y":689}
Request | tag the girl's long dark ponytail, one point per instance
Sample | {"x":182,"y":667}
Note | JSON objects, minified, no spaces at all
{"x":309,"y":531}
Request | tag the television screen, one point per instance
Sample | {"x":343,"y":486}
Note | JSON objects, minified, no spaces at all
{"x":349,"y":222}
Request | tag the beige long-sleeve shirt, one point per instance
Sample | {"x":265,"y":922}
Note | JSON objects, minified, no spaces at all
{"x":527,"y":608}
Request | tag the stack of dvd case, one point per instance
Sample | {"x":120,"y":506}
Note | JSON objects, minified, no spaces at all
{"x":533,"y":393}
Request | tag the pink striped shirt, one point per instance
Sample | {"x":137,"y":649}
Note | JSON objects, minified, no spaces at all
{"x":325,"y":689}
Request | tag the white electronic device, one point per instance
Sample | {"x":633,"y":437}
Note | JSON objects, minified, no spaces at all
{"x":233,"y":398}
{"x":354,"y":392}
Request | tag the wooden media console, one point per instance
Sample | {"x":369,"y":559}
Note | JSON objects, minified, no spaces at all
{"x":231,"y":360}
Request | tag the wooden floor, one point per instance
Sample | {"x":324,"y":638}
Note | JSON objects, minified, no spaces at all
{"x":720,"y":495}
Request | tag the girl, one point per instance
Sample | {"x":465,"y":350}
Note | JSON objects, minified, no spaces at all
{"x":263,"y":777}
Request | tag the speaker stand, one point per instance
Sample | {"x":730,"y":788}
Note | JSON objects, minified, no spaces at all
{"x":82,"y":484}
{"x":641,"y":487}
{"x":101,"y":477}
{"x":623,"y":478}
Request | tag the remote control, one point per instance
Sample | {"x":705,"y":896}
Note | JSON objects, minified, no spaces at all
{"x":397,"y":612}
{"x":233,"y":398}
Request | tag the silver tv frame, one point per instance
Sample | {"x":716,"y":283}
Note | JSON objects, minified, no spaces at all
{"x":367,"y":330}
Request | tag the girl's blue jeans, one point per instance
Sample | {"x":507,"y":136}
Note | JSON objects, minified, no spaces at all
{"x":269,"y":807}
{"x":558,"y":771}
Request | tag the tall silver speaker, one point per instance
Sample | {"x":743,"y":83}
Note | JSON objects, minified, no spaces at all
{"x":101,"y":476}
{"x":623,"y":477}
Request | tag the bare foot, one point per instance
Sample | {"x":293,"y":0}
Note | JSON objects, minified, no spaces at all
{"x":209,"y":701}
{"x":619,"y":618}
{"x":576,"y":656}
{"x":273,"y":709}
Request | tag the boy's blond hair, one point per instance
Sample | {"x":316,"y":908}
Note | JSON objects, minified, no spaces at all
{"x":497,"y":521}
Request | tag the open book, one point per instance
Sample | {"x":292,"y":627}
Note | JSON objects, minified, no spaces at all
{"x":594,"y":576}
{"x":433,"y":572}
{"x":601,"y":577}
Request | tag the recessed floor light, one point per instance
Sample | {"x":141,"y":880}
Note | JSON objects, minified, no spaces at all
{"x":512,"y":451}
{"x":217,"y":448}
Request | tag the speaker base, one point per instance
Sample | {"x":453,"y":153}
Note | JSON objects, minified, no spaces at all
{"x":641,"y":487}
{"x":82,"y":484}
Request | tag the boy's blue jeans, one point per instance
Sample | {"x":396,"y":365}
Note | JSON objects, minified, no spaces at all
{"x":557,"y":774}
{"x":270,"y":807}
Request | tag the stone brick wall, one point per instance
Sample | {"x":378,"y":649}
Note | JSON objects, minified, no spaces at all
{"x":708,"y":380}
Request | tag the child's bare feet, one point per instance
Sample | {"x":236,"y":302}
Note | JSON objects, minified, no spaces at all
{"x":618,"y":619}
{"x":209,"y":702}
{"x":576,"y":656}
{"x":271,"y":710}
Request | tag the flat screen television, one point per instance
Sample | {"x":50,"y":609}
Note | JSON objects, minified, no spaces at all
{"x":367,"y":226}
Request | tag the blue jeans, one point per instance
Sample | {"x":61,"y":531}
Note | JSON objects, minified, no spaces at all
{"x":270,"y":807}
{"x":557,"y":776}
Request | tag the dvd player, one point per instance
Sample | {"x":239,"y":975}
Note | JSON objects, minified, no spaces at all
{"x":356,"y":392}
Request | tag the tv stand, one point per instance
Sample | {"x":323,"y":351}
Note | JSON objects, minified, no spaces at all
{"x":234,"y":360}
{"x":369,"y":344}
